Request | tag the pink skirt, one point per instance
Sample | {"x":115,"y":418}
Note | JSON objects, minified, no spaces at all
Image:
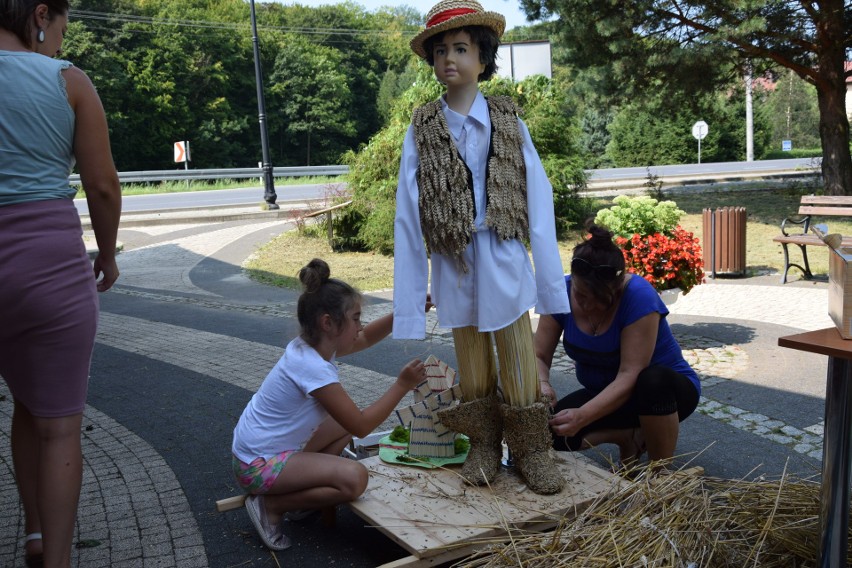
{"x":48,"y":307}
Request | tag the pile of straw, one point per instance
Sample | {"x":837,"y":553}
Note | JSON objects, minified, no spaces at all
{"x":677,"y":520}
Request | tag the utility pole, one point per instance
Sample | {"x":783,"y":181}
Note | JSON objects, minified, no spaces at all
{"x":268,"y":179}
{"x":749,"y":82}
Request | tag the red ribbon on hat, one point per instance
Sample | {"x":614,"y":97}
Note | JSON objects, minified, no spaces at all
{"x":441,"y":17}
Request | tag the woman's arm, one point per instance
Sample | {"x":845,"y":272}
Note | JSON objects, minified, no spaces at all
{"x":97,"y":171}
{"x":638,"y":341}
{"x":546,"y":340}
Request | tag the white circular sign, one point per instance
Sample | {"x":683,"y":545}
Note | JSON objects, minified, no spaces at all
{"x":699,"y":130}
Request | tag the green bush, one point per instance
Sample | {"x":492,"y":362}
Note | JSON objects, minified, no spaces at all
{"x":794,"y":153}
{"x":639,"y":215}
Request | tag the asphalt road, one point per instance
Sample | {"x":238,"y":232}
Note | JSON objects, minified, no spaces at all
{"x":298,"y":193}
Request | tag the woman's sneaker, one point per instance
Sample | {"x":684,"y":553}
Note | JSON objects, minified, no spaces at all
{"x":271,"y":536}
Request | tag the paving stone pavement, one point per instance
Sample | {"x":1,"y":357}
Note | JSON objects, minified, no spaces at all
{"x":185,"y":339}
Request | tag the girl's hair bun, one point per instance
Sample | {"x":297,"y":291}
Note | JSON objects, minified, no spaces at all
{"x":314,"y":275}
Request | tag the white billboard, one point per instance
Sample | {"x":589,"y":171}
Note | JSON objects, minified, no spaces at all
{"x":520,"y":60}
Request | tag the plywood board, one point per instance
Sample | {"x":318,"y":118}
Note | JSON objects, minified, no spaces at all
{"x":428,"y":512}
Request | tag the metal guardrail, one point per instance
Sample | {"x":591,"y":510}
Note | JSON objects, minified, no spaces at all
{"x":154,"y":176}
{"x":595,"y":183}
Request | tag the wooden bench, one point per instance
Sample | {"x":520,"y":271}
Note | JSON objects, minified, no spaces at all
{"x":811,"y":206}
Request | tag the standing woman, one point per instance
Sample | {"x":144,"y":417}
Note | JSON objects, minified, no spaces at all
{"x":50,"y":117}
{"x":637,"y":387}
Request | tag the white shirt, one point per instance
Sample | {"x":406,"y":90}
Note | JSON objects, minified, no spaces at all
{"x":500,"y":284}
{"x":282,"y":414}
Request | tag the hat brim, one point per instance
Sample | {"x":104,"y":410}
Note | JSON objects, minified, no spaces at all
{"x":491,"y":20}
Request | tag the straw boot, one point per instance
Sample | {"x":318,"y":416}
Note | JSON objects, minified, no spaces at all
{"x":528,"y":437}
{"x":481,"y":422}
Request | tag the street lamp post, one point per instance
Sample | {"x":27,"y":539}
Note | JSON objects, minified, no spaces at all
{"x":268,"y":180}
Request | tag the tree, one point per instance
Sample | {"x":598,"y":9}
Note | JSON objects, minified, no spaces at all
{"x":311,"y":100}
{"x":686,"y":43}
{"x":795,"y":113}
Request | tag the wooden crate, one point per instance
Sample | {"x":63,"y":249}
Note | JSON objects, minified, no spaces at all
{"x":436,"y":517}
{"x":840,"y":289}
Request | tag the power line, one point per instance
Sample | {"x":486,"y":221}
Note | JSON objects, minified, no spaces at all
{"x":130,"y":18}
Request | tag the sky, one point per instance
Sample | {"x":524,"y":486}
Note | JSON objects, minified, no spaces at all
{"x":510,"y":9}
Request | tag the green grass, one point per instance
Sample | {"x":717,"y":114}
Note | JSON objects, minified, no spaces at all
{"x":279,"y":261}
{"x":212,"y":185}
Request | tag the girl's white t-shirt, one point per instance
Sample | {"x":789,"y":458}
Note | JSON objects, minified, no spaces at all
{"x":282,"y":414}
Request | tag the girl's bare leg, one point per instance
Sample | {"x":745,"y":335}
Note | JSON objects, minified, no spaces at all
{"x":317,"y":476}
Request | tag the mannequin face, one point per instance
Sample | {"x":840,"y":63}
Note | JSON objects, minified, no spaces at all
{"x":457,"y":59}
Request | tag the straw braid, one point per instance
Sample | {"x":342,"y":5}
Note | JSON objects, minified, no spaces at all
{"x":446,"y":201}
{"x":507,"y":173}
{"x":446,"y":197}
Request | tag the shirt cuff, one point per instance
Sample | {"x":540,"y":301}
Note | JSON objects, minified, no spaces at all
{"x":553,"y":301}
{"x":409,"y":328}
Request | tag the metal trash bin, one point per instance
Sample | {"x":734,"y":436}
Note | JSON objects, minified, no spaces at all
{"x":724,"y":241}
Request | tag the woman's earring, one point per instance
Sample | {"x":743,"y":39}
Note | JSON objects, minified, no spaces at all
{"x":40,"y":36}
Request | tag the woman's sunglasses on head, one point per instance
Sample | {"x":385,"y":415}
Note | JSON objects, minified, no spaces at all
{"x":601,"y":272}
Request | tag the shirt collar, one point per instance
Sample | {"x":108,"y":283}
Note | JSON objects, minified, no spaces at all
{"x":455,"y":121}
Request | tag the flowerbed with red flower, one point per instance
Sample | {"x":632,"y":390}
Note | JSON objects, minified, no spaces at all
{"x":666,"y":261}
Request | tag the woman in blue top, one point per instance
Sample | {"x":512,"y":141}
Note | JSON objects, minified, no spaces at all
{"x":637,"y":385}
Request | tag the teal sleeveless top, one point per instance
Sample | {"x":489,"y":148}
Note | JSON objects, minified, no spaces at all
{"x":36,"y":129}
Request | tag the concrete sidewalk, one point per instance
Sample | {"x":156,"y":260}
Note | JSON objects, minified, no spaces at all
{"x":185,"y":339}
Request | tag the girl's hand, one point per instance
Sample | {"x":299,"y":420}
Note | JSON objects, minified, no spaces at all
{"x":567,"y":422}
{"x":412,"y":374}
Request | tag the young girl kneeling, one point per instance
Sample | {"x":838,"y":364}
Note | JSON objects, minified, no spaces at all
{"x":288,"y":441}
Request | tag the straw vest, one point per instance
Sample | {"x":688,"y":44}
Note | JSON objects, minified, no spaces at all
{"x":445,"y":183}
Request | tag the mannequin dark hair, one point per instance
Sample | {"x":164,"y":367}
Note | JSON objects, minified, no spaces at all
{"x":483,"y":36}
{"x":15,"y":15}
{"x":600,"y":250}
{"x":322,"y":295}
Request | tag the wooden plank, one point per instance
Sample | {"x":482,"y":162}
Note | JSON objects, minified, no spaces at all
{"x":431,"y":512}
{"x":827,"y":199}
{"x":808,"y":239}
{"x":826,"y":341}
{"x":328,"y":209}
{"x":230,"y":503}
{"x":822,"y":211}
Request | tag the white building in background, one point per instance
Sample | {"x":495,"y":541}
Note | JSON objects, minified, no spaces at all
{"x":520,"y":60}
{"x":847,"y":67}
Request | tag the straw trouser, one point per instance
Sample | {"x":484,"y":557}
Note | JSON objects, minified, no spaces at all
{"x":478,"y":371}
{"x":521,"y":419}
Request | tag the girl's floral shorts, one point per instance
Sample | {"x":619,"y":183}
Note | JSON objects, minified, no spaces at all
{"x":260,"y":474}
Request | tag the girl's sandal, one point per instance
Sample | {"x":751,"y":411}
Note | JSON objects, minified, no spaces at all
{"x":35,"y":560}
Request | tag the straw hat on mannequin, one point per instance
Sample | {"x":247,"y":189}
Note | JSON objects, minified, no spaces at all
{"x":454,"y":14}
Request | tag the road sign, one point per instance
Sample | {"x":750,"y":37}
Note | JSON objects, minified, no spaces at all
{"x":786,"y":145}
{"x":699,"y":130}
{"x":182,"y":152}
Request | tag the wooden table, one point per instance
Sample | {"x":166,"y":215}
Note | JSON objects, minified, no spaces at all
{"x":834,"y":503}
{"x":436,"y":517}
